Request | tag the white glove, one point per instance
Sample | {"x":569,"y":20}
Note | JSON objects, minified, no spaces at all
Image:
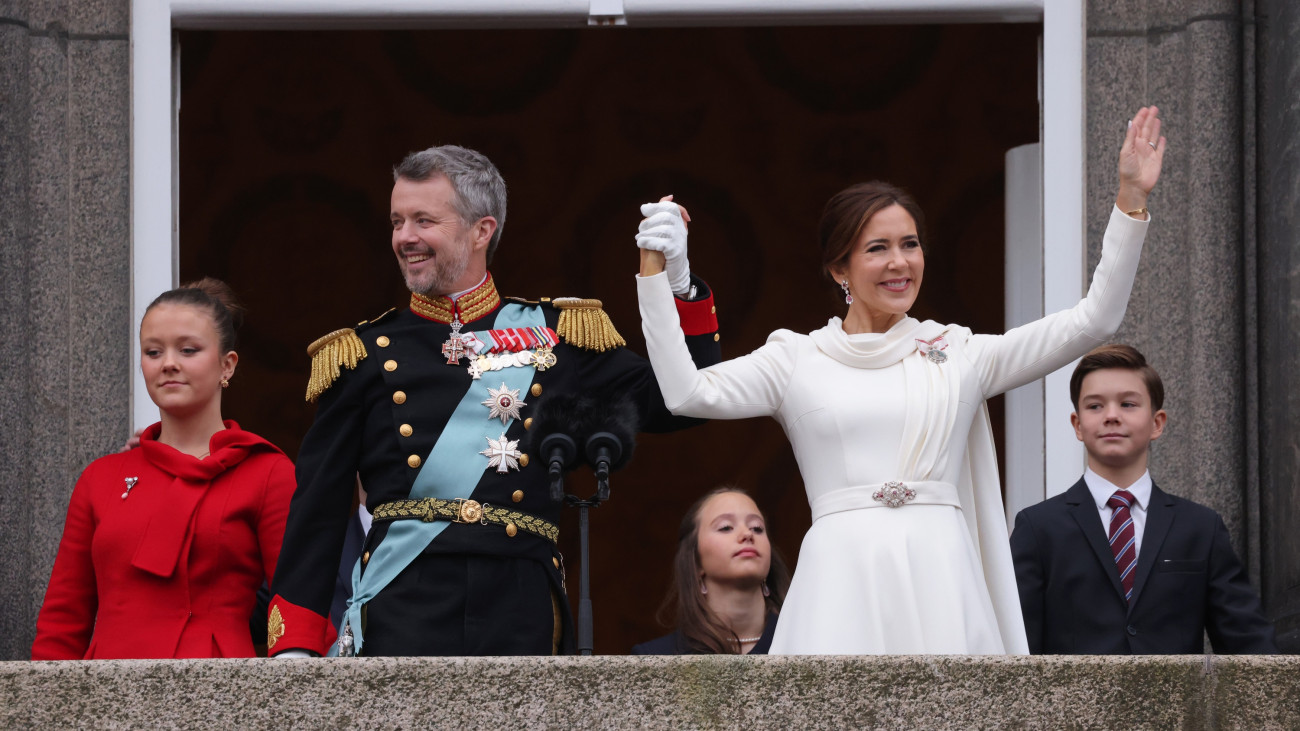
{"x":293,"y":655}
{"x":664,"y":230}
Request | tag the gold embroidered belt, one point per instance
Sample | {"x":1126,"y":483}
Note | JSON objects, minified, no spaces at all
{"x":461,"y":510}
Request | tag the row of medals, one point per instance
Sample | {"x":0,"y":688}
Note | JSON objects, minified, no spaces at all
{"x":541,"y":358}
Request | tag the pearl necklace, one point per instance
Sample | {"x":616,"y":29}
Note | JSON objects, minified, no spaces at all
{"x":747,"y":640}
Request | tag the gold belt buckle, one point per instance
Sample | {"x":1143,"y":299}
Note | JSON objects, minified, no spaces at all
{"x":468,"y":511}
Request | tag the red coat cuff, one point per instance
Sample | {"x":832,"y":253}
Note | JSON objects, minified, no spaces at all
{"x":699,"y":317}
{"x":291,"y":627}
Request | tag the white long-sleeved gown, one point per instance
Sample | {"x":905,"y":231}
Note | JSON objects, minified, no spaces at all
{"x":934,"y":575}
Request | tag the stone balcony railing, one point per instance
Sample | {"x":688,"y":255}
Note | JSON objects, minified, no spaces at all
{"x":930,"y":692}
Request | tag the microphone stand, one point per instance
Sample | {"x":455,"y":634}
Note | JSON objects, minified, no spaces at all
{"x":602,"y":449}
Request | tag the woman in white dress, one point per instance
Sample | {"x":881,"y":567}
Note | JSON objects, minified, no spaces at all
{"x":908,"y":550}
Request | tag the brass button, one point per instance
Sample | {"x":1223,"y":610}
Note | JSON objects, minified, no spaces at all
{"x":399,"y":397}
{"x":382,"y":341}
{"x":555,"y":561}
{"x":523,"y":460}
{"x":713,"y":310}
{"x":716,"y":337}
{"x":413,"y":460}
{"x":405,"y":430}
{"x":517,"y":495}
{"x":528,"y":423}
{"x":390,"y":365}
{"x":536,"y":390}
{"x":511,"y":529}
{"x":365,"y":558}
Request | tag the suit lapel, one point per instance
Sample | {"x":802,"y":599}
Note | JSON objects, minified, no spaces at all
{"x":1083,"y":509}
{"x":1160,"y":516}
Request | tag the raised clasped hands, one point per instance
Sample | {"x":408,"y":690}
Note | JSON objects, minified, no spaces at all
{"x":663,"y":230}
{"x":1140,"y":159}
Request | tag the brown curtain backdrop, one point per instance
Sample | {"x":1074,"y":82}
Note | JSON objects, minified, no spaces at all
{"x":287,"y":141}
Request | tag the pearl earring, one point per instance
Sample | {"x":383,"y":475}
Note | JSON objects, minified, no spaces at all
{"x":848,"y":296}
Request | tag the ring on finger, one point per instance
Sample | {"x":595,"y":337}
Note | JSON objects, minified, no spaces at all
{"x":1153,"y":145}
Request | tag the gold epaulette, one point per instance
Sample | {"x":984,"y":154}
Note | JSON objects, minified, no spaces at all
{"x":328,"y":354}
{"x":583,"y":324}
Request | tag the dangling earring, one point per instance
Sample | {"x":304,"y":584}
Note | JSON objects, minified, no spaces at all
{"x":225,"y":383}
{"x":848,"y":296}
{"x":766,"y":591}
{"x":704,"y":588}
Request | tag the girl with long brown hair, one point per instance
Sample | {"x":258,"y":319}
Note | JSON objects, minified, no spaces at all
{"x":728,"y":581}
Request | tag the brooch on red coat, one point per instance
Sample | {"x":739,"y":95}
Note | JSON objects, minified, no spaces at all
{"x":130,"y":483}
{"x":933,"y":349}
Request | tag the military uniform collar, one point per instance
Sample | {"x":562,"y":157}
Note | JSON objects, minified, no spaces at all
{"x":471,"y":306}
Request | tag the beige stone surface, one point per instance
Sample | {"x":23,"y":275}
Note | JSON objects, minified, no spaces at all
{"x":658,"y":692}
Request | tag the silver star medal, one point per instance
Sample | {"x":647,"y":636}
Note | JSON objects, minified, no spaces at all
{"x":502,"y":453}
{"x":504,"y":403}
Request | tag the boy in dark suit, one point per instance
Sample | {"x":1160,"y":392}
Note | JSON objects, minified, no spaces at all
{"x":1116,"y":565}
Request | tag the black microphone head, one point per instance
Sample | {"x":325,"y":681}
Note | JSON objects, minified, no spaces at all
{"x":569,"y":414}
{"x":617,"y":424}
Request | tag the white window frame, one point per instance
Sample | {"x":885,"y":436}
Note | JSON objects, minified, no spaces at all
{"x":154,"y":105}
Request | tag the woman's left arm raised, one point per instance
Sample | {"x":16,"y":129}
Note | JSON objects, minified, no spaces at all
{"x":1033,"y":350}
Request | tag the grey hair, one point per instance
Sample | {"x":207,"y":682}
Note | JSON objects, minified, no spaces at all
{"x":477,"y":184}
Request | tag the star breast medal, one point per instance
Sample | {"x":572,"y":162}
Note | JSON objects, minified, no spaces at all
{"x":503,"y":403}
{"x":933,"y":349}
{"x":502,"y":453}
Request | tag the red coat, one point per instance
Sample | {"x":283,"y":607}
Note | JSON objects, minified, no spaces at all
{"x":172,"y":569}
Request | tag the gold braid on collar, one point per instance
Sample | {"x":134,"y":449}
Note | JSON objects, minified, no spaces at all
{"x":472,"y":305}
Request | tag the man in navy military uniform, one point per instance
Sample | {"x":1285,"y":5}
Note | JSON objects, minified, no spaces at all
{"x":429,"y":406}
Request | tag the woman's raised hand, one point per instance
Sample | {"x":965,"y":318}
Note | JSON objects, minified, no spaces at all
{"x":662,"y":240}
{"x":1140,"y":159}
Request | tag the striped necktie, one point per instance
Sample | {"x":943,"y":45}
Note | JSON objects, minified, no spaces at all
{"x":1123,"y":540}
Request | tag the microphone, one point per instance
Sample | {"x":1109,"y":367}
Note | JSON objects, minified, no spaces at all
{"x":560,"y":422}
{"x":611,"y":442}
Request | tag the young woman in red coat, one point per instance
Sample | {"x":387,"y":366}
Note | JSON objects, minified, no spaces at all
{"x":165,"y":545}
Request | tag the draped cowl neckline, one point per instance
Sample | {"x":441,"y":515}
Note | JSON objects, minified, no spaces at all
{"x":167,"y":536}
{"x":874,"y":350}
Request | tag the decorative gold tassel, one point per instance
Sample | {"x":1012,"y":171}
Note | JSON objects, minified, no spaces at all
{"x":584,"y":324}
{"x":339,"y":348}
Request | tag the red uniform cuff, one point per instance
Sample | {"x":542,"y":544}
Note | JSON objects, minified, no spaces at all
{"x":290,"y":627}
{"x":699,"y":317}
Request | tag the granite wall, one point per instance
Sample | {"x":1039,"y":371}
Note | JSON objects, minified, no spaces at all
{"x":1278,"y":229}
{"x":1191,"y":693}
{"x":64,"y":275}
{"x":1213,"y":306}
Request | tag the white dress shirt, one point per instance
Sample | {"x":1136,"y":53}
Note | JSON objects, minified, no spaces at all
{"x":1102,"y":490}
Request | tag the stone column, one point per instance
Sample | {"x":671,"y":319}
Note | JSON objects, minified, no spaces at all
{"x":1278,"y":130}
{"x":64,"y":275}
{"x":1189,"y":312}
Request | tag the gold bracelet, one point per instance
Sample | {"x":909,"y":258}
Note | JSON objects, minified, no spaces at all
{"x":1141,"y":211}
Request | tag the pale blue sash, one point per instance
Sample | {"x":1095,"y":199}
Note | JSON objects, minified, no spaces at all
{"x":452,"y":470}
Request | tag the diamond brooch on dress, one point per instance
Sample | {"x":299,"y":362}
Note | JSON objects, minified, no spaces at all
{"x":894,"y":494}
